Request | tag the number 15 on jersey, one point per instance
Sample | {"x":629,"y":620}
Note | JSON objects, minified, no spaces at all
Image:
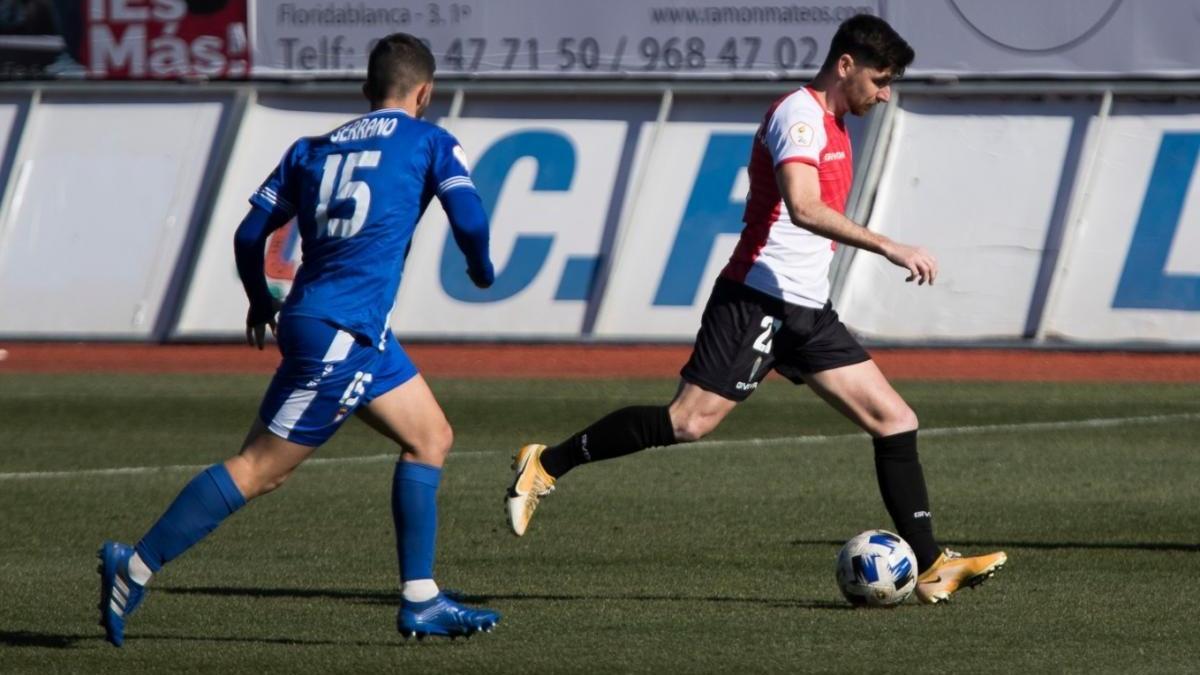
{"x":355,"y":191}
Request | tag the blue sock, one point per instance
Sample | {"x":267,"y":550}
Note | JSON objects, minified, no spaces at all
{"x":414,"y":508}
{"x":210,"y":498}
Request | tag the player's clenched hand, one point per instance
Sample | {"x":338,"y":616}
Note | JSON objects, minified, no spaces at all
{"x":921,"y":264}
{"x":258,"y":319}
{"x":483,"y":278}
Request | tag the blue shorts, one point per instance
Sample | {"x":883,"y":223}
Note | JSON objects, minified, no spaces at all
{"x":326,"y":373}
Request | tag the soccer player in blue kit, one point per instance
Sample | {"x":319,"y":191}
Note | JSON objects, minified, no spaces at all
{"x":357,"y":194}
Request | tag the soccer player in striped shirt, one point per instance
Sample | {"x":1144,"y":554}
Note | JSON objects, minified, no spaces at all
{"x":770,"y":310}
{"x":357,"y":194}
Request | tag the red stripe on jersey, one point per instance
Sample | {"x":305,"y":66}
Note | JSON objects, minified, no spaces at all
{"x":763,"y":204}
{"x":836,"y":171}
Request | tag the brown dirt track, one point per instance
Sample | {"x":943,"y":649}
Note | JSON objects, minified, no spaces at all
{"x":606,"y":361}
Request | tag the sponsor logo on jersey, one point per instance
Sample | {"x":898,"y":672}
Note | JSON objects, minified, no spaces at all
{"x":317,"y":380}
{"x":831,"y":156}
{"x":801,"y":134}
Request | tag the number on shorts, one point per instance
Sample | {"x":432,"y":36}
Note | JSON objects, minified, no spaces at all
{"x":763,"y":344}
{"x":355,"y":390}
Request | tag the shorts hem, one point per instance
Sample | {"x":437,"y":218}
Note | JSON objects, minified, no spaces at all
{"x":711,"y":388}
{"x":297,"y":437}
{"x":398,"y":382}
{"x":824,"y":367}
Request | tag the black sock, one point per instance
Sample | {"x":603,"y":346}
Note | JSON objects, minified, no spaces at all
{"x":621,"y":432}
{"x":902,"y":485}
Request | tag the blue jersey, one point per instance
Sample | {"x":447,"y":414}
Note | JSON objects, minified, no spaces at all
{"x":357,"y":194}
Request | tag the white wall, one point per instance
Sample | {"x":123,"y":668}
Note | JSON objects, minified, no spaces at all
{"x":1132,"y":269}
{"x":105,"y":189}
{"x":974,"y":182}
{"x":102,"y":200}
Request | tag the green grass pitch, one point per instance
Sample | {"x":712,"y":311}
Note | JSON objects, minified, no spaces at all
{"x":716,"y":557}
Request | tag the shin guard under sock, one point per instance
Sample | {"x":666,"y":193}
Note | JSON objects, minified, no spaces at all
{"x":620,"y":433}
{"x":414,"y":511}
{"x":902,"y":485}
{"x":208,"y":499}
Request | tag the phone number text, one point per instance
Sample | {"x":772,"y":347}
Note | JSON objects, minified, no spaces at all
{"x":648,"y":54}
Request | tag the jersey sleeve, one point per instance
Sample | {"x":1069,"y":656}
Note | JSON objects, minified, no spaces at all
{"x":456,"y":192}
{"x":795,"y":133}
{"x":279,"y":193}
{"x":448,"y":170}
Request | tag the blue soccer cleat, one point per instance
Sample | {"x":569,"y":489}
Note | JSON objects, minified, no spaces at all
{"x":119,"y":595}
{"x":443,"y":616}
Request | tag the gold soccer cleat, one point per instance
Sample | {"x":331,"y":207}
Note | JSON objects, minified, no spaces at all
{"x":953,"y":571}
{"x":530,"y":483}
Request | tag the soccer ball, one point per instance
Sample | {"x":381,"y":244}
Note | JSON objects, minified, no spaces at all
{"x":876,"y":569}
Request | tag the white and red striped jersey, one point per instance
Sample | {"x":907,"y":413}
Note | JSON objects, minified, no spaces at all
{"x":774,"y":255}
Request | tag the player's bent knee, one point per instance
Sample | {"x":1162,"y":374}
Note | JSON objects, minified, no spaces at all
{"x":897,"y":421}
{"x":443,"y":440}
{"x":694,"y":427}
{"x":433,"y":446}
{"x":255,"y":478}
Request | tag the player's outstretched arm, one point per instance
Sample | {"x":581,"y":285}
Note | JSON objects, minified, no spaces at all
{"x":801,"y":190}
{"x":249,"y":244}
{"x":469,"y":222}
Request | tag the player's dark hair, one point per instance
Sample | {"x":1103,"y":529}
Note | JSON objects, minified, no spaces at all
{"x":398,"y":63}
{"x":872,"y":42}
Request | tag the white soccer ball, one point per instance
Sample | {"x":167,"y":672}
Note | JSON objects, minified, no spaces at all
{"x":876,"y":569}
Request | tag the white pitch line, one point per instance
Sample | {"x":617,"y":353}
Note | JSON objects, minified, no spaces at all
{"x":136,"y":470}
{"x":1093,"y":423}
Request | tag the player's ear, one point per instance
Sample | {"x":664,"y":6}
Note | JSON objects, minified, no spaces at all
{"x":845,"y":65}
{"x":424,"y":94}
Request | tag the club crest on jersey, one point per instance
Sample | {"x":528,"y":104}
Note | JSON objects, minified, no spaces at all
{"x":461,"y":156}
{"x":801,"y":134}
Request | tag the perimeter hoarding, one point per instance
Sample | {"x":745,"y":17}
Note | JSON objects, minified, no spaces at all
{"x":551,"y":38}
{"x":994,"y":188}
{"x":165,"y":39}
{"x":1132,"y":262}
{"x":1058,"y":38}
{"x":681,"y":230}
{"x":977,"y":183}
{"x":546,"y":185}
{"x":700,"y":38}
{"x":673,"y":39}
{"x":124,"y":39}
{"x":101,"y":199}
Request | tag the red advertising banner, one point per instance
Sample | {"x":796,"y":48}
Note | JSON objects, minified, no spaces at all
{"x":166,"y":39}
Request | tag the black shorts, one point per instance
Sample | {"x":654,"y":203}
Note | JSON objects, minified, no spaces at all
{"x":744,"y":334}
